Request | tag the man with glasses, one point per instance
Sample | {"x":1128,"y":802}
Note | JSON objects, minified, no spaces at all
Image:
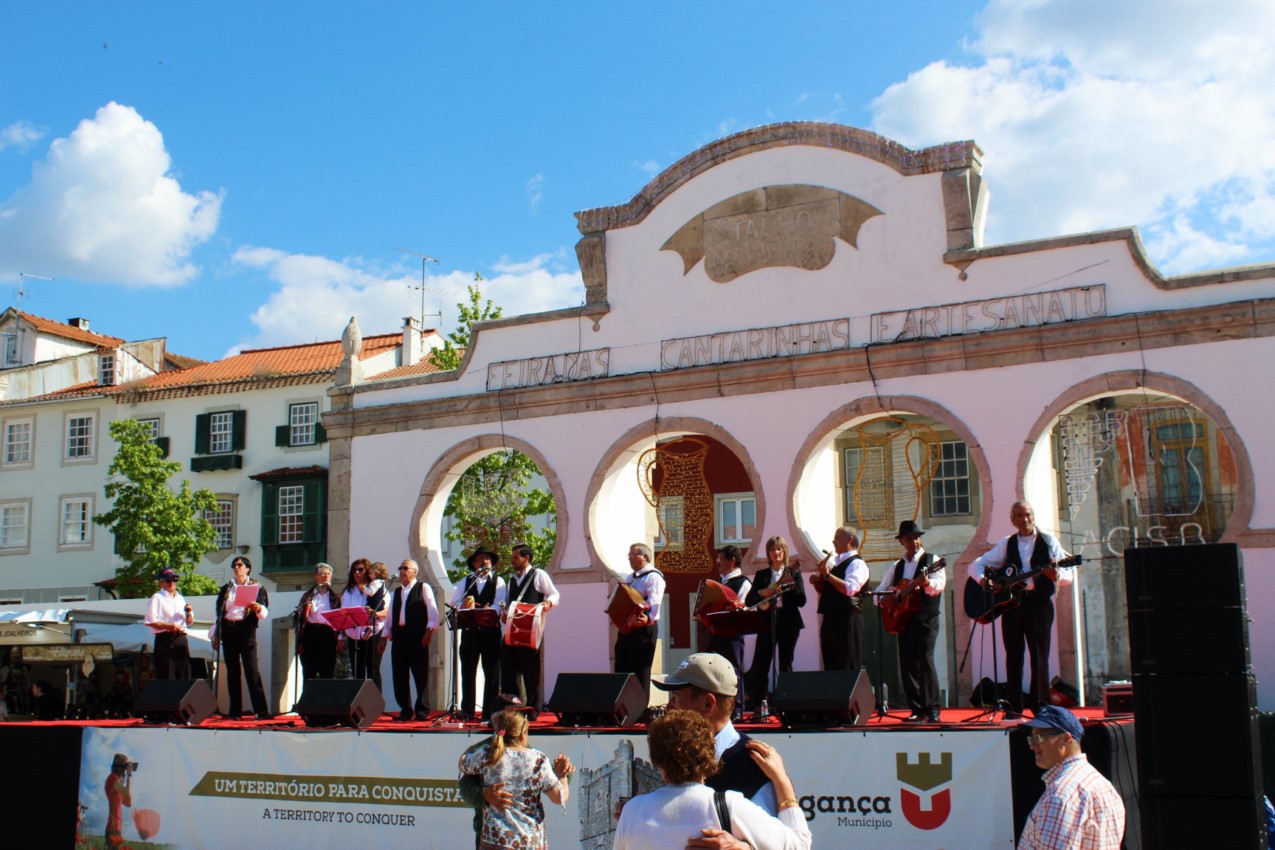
{"x":413,"y":620}
{"x":168,"y":617}
{"x":1080,"y":809}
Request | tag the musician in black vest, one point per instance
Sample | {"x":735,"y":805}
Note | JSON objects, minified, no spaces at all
{"x":236,"y":629}
{"x":785,"y":608}
{"x":413,"y":618}
{"x":729,"y":573}
{"x":635,"y":652}
{"x":919,"y":636}
{"x":1029,"y":625}
{"x":841,"y":590}
{"x":521,"y":664}
{"x":485,"y":589}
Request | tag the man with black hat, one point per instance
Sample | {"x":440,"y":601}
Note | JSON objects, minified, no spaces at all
{"x":521,"y":664}
{"x":841,"y":588}
{"x":480,"y":589}
{"x":1079,"y":808}
{"x":168,"y":616}
{"x":916,"y":642}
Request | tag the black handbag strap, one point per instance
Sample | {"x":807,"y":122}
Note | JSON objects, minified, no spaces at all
{"x":723,"y":813}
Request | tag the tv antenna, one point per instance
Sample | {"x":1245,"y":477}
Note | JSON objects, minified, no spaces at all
{"x":424,"y":289}
{"x":22,"y":277}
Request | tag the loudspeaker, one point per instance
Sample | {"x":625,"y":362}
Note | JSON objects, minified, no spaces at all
{"x":1207,"y":575}
{"x":340,"y":702}
{"x":1188,"y":823}
{"x":185,"y":701}
{"x":1169,"y":641}
{"x":597,"y":699}
{"x":824,"y":697}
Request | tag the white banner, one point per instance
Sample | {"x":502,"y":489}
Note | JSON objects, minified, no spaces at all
{"x":196,"y":788}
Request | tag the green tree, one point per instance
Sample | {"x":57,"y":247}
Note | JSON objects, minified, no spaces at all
{"x":449,"y":356}
{"x":492,"y":505}
{"x":154,"y":527}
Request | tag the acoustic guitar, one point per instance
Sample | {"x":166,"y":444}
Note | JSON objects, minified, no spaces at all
{"x":983,"y":604}
{"x":898,"y":609}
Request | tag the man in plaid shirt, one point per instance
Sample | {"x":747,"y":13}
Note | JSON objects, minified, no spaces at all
{"x":1080,"y":809}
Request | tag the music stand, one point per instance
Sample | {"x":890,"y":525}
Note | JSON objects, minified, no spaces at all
{"x":347,"y":618}
{"x":463,"y":620}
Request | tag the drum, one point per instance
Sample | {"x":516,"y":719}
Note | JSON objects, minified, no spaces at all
{"x":713,"y":597}
{"x":626,"y":607}
{"x":525,"y":626}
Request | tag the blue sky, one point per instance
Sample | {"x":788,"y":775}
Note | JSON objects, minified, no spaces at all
{"x":239,"y":174}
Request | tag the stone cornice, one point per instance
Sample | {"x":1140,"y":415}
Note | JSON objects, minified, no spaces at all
{"x":994,"y":349}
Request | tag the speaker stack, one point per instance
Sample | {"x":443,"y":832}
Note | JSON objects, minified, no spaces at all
{"x":1194,"y":698}
{"x":824,"y":697}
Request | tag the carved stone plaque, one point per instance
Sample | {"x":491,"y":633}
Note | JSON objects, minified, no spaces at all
{"x":776,"y":226}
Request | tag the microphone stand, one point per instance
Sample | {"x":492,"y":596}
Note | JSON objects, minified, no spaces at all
{"x":883,"y":690}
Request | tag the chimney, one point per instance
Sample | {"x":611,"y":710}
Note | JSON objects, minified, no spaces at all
{"x":82,"y":324}
{"x":411,"y":352}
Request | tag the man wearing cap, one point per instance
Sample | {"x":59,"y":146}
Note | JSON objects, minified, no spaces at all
{"x":919,"y":636}
{"x":1030,"y":624}
{"x":480,"y":589}
{"x":706,"y":684}
{"x":635,"y":651}
{"x":168,"y":617}
{"x":413,"y":619}
{"x":317,"y":640}
{"x":1079,"y":809}
{"x":521,"y":664}
{"x":841,"y":588}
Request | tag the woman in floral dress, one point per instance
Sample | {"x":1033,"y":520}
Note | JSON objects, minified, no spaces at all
{"x":526,"y":773}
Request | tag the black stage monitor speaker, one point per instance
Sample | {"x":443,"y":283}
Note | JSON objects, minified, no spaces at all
{"x":340,"y":702}
{"x":824,"y":697}
{"x":185,"y":701}
{"x":597,"y":699}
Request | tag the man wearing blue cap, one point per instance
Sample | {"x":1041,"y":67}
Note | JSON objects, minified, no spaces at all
{"x":1080,"y":809}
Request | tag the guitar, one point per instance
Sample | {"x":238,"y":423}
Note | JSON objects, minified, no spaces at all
{"x":983,"y":604}
{"x":898,"y":609}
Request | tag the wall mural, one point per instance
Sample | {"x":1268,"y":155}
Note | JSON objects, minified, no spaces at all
{"x":686,"y":531}
{"x":897,"y":460}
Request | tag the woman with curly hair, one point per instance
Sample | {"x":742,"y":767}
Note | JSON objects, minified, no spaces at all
{"x":681,"y":745}
{"x":526,"y":773}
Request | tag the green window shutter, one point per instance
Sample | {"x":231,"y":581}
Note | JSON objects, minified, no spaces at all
{"x":269,"y":514}
{"x":203,"y":430}
{"x":314,"y":511}
{"x":163,"y":443}
{"x":320,"y":433}
{"x":282,"y":435}
{"x":238,"y":430}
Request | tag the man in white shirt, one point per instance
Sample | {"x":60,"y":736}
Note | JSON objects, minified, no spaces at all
{"x":729,"y":573}
{"x":841,"y":588}
{"x":1030,"y":624}
{"x":635,"y":651}
{"x":520,"y":665}
{"x":168,"y":617}
{"x":484,"y":590}
{"x":413,"y":620}
{"x":919,"y":636}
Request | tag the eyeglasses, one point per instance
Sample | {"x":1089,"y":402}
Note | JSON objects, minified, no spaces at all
{"x":404,"y":569}
{"x":1039,"y":738}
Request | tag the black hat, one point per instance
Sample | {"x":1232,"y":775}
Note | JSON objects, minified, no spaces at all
{"x":483,"y":550}
{"x":909,"y":528}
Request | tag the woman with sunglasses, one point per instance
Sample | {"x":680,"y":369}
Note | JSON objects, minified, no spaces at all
{"x":360,"y":593}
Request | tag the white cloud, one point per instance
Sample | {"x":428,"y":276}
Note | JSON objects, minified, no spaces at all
{"x":102,"y":207}
{"x":534,"y":190}
{"x":650,"y":167}
{"x":316,"y":296}
{"x":1094,"y":115}
{"x":21,"y":135}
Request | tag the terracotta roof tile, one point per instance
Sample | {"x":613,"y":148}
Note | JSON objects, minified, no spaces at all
{"x":49,"y":326}
{"x":181,"y":361}
{"x":88,"y":388}
{"x":424,"y":367}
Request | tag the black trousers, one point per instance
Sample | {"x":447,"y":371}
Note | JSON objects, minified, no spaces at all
{"x":172,"y":656}
{"x":841,"y":641}
{"x":409,"y":658}
{"x":520,"y":666}
{"x":916,"y":664}
{"x":479,"y":646}
{"x":635,"y":652}
{"x":239,"y":645}
{"x":365,"y":659}
{"x":1029,"y":626}
{"x":732,"y":649}
{"x":318,"y":652}
{"x":759,"y":684}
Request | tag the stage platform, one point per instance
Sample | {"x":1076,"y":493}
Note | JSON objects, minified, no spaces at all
{"x":967,"y":782}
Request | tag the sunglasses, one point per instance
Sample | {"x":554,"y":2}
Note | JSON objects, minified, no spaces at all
{"x":1038,"y":738}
